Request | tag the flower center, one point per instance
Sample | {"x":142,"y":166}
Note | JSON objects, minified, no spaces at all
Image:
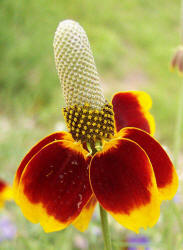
{"x":89,"y":117}
{"x":88,"y":124}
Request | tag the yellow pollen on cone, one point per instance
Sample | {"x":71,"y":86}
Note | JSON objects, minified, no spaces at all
{"x":86,"y":108}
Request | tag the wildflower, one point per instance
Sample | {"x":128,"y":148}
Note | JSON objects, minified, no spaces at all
{"x":140,"y":242}
{"x":80,"y":242}
{"x":177,"y":60}
{"x":5,"y":192}
{"x":62,"y":177}
{"x":7,"y":229}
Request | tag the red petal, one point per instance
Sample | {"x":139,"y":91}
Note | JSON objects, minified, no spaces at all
{"x":54,"y":186}
{"x":36,"y":148}
{"x":166,"y":177}
{"x":131,"y":110}
{"x":123,"y":181}
{"x":3,"y":185}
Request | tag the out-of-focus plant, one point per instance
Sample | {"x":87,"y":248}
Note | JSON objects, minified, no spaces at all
{"x":177,"y":64}
{"x":138,"y":242}
{"x":8,"y":229}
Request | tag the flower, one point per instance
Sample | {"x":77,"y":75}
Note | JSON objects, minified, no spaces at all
{"x":80,"y":242}
{"x":140,"y":242}
{"x":5,"y":192}
{"x":7,"y":229}
{"x":177,"y":60}
{"x":108,"y":155}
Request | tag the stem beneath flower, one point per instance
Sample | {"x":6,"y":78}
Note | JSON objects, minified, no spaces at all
{"x":103,"y":214}
{"x":105,"y":229}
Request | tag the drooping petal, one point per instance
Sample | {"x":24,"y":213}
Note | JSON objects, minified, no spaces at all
{"x":85,"y":216}
{"x":166,"y":176}
{"x":131,"y":109}
{"x":5,"y":192}
{"x":123,"y":181}
{"x":35,"y":149}
{"x":3,"y":185}
{"x":54,"y":185}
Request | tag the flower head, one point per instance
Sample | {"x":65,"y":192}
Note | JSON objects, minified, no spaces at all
{"x":59,"y":181}
{"x":88,"y":115}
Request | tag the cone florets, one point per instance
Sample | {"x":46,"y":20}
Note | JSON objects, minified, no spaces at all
{"x":88,"y":115}
{"x":76,"y":67}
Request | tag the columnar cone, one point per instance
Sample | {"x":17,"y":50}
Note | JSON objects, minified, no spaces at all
{"x":76,"y":67}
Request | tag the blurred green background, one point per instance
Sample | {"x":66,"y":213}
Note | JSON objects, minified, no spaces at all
{"x":132,"y":42}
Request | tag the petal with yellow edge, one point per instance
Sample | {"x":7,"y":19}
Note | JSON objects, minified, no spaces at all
{"x":131,"y":109}
{"x":54,"y":185}
{"x":35,"y":149}
{"x":123,"y":181}
{"x":5,"y":192}
{"x":165,"y":173}
{"x":3,"y":185}
{"x":82,"y":222}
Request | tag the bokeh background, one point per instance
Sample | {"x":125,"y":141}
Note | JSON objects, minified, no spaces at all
{"x":132,"y":42}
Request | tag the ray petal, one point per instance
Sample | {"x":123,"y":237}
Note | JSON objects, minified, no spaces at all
{"x":131,"y":109}
{"x":165,"y":173}
{"x":54,"y":185}
{"x":123,"y":181}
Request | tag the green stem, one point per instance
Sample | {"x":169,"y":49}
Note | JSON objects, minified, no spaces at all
{"x":103,"y":214}
{"x":177,"y":145}
{"x":177,"y":138}
{"x":105,"y":229}
{"x":178,"y":214}
{"x":181,"y":21}
{"x":177,"y":141}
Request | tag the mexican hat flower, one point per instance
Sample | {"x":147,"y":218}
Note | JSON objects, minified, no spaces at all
{"x":5,"y":192}
{"x":108,"y":154}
